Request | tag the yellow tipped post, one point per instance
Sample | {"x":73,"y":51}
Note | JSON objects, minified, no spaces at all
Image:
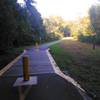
{"x":37,"y":45}
{"x":25,"y":68}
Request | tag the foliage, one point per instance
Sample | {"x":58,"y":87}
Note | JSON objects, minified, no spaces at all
{"x":55,"y":27}
{"x":94,"y":18}
{"x":19,"y":25}
{"x":9,"y":55}
{"x":79,"y":26}
{"x":60,"y":27}
{"x":35,"y":19}
{"x":8,"y":23}
{"x":89,"y":39}
{"x":93,"y":27}
{"x":83,"y":38}
{"x":84,"y":26}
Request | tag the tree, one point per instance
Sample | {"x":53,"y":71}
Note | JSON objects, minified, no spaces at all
{"x":95,"y":23}
{"x":8,"y":23}
{"x":35,"y":20}
{"x":55,"y":27}
{"x":84,"y":25}
{"x":94,"y":13}
{"x":19,"y":25}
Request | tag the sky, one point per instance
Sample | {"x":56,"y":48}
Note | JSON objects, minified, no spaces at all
{"x":67,"y":9}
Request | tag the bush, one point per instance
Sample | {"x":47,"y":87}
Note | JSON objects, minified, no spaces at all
{"x":83,"y":38}
{"x":98,"y":40}
{"x":89,"y":39}
{"x":23,"y":40}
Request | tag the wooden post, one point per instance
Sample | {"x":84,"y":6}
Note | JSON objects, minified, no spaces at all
{"x":94,"y":39}
{"x":37,"y":46}
{"x":25,"y":68}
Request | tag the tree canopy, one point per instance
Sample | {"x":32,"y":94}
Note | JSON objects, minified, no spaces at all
{"x":19,"y":25}
{"x":56,"y":27}
{"x":95,"y":18}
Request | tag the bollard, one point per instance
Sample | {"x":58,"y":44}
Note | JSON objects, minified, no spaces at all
{"x":37,"y":45}
{"x":25,"y":68}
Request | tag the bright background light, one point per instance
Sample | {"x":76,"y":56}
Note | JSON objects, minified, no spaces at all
{"x":67,"y":9}
{"x":20,"y":1}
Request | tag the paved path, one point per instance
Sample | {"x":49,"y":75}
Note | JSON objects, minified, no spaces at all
{"x":38,"y":64}
{"x":50,"y":86}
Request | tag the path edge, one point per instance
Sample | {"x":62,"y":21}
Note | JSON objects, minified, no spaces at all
{"x":67,"y":77}
{"x":9,"y":65}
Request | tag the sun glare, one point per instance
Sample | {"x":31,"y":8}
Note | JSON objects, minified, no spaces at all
{"x":20,"y":1}
{"x":67,"y":9}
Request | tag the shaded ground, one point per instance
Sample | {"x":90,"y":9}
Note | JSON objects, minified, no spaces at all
{"x":50,"y":86}
{"x":38,"y":64}
{"x":81,"y":61}
{"x":9,"y":55}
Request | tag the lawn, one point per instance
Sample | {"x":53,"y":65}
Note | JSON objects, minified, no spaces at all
{"x":82,"y":63}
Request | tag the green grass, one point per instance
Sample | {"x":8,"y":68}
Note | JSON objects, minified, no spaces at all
{"x":59,"y":54}
{"x":82,"y":62}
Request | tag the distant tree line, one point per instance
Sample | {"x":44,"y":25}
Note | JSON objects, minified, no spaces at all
{"x":20,"y":24}
{"x":56,"y":27}
{"x":85,"y":29}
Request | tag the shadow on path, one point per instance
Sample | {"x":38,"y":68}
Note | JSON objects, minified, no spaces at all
{"x":50,"y":86}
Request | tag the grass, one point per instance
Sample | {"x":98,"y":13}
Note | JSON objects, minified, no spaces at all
{"x":59,"y":54}
{"x":9,"y":55}
{"x":82,"y":62}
